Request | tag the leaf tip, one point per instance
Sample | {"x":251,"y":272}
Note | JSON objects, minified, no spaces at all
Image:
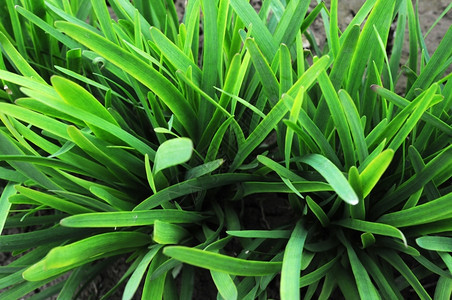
{"x":375,"y":87}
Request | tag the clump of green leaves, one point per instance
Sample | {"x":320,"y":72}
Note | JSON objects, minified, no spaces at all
{"x":134,"y":136}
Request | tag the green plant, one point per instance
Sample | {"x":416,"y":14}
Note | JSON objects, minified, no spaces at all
{"x":133,"y":137}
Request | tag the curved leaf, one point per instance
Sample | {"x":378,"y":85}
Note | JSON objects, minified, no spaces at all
{"x":222,"y":263}
{"x":172,"y":152}
{"x":147,"y":75}
{"x":333,"y":176}
{"x":435,"y":243}
{"x":125,"y":219}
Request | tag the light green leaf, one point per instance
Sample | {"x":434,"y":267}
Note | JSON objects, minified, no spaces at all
{"x":372,"y":227}
{"x":280,"y":170}
{"x":366,"y":288}
{"x":337,"y":113}
{"x":250,"y":188}
{"x":381,"y":16}
{"x":104,"y":18}
{"x":174,"y":55}
{"x":63,"y":258}
{"x":172,"y":153}
{"x":225,"y":285}
{"x":435,"y":243}
{"x":319,"y":273}
{"x":333,"y":176}
{"x":265,"y":234}
{"x":342,"y":62}
{"x":354,"y":122}
{"x":260,"y":133}
{"x":17,"y":59}
{"x":293,"y":117}
{"x":75,"y":95}
{"x":191,"y":186}
{"x":291,"y":21}
{"x":397,"y":262}
{"x":432,"y":211}
{"x":432,"y":70}
{"x":258,"y":29}
{"x":126,"y":219}
{"x":135,"y":67}
{"x":268,"y":79}
{"x":443,"y":288}
{"x":438,"y":164}
{"x":5,"y":205}
{"x":167,"y":233}
{"x":222,"y":263}
{"x":291,"y":266}
{"x":204,"y":169}
{"x":374,"y":170}
{"x":52,"y":201}
{"x":318,"y":211}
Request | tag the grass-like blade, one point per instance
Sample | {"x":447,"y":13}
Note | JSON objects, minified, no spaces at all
{"x":291,"y":266}
{"x":310,"y":76}
{"x":354,"y":121}
{"x":318,"y":274}
{"x":225,"y":285}
{"x":381,"y":17}
{"x":290,"y":22}
{"x":374,"y":170}
{"x":222,"y":263}
{"x":259,"y":31}
{"x":65,"y":257}
{"x":443,"y":288}
{"x":414,"y":117}
{"x":375,"y":228}
{"x":385,"y":283}
{"x":99,"y":153}
{"x":366,"y":288}
{"x":166,"y":233}
{"x":49,"y":29}
{"x":269,"y":82}
{"x":203,"y":169}
{"x":171,"y":153}
{"x":76,"y":96}
{"x":436,"y":210}
{"x":435,"y":243}
{"x":440,"y":163}
{"x":134,"y":66}
{"x":125,"y":219}
{"x":396,"y":261}
{"x":5,"y":205}
{"x":260,"y":133}
{"x":265,"y":234}
{"x":293,"y":117}
{"x":101,"y":10}
{"x":174,"y":55}
{"x":250,"y":188}
{"x":337,"y":112}
{"x":431,"y":70}
{"x":191,"y":186}
{"x":21,"y":63}
{"x":318,"y":211}
{"x":28,"y":240}
{"x":333,"y":176}
{"x":280,"y":170}
{"x":52,"y":201}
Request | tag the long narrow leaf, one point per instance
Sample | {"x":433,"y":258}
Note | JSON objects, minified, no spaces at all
{"x":291,"y":266}
{"x":222,"y":263}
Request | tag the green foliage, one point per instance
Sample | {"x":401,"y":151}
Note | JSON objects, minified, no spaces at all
{"x":135,"y":136}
